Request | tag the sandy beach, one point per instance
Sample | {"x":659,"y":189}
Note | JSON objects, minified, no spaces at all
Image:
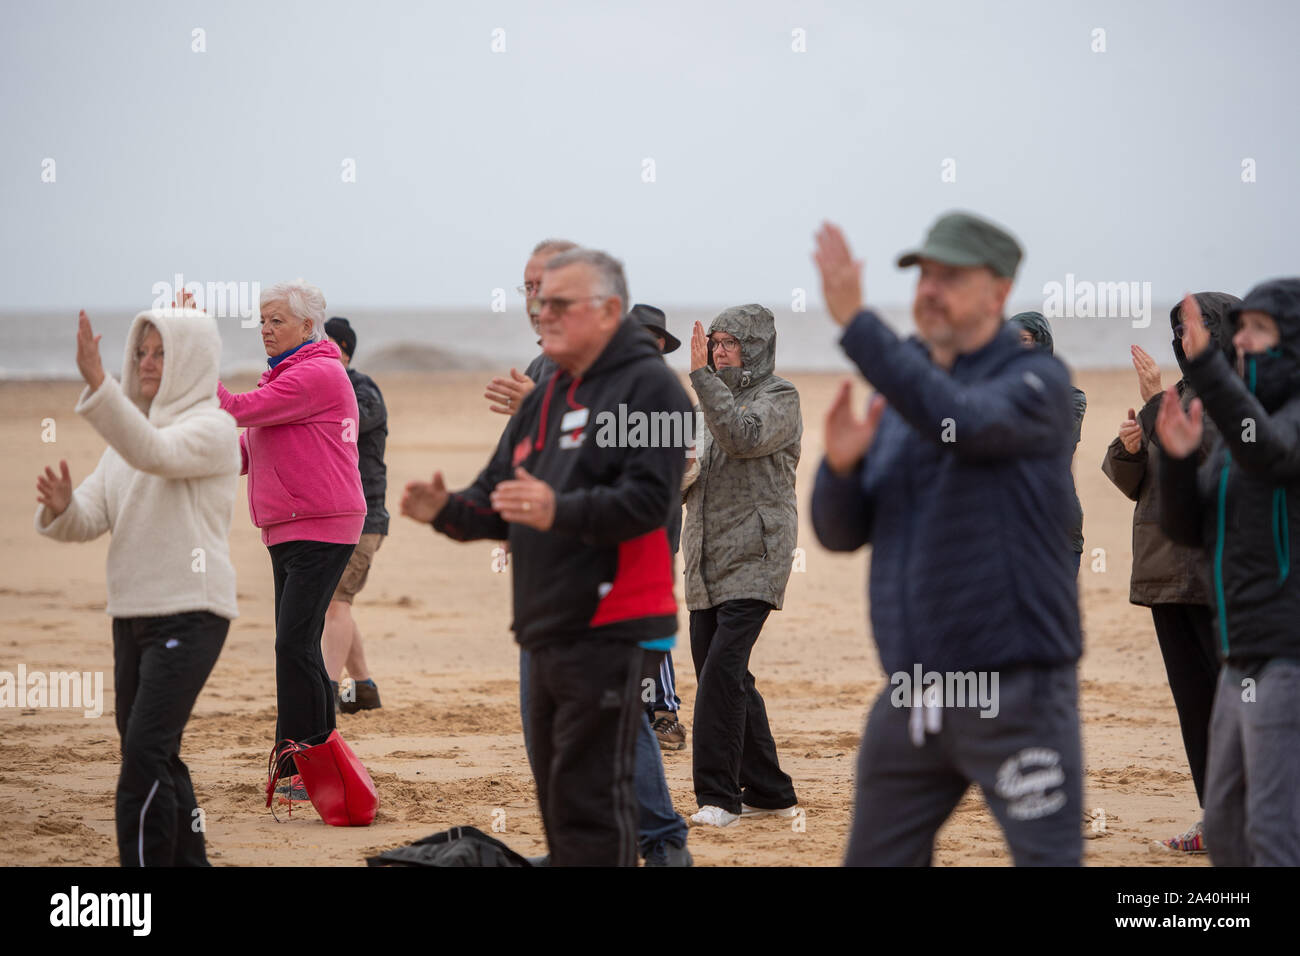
{"x":446,"y":748}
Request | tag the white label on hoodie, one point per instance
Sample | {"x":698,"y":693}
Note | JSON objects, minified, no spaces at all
{"x":574,"y":420}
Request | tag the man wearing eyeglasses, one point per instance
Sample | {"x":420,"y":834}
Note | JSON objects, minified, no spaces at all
{"x":593,"y":576}
{"x":506,"y":393}
{"x":661,"y":836}
{"x":738,"y":541}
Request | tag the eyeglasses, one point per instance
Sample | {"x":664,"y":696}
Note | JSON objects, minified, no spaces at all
{"x":529,"y":289}
{"x":725,"y":345}
{"x":559,"y":306}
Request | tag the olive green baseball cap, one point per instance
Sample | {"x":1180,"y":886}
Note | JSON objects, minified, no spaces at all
{"x":961,"y":239}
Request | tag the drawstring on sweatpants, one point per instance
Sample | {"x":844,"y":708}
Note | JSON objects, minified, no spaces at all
{"x":927,"y":714}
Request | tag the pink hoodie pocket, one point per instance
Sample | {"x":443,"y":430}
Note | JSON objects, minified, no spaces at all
{"x":271,"y":501}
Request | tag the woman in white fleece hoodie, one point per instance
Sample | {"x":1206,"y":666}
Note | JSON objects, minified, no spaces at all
{"x":165,"y":487}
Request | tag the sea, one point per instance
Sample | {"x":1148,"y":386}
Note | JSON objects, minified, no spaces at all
{"x":42,"y":345}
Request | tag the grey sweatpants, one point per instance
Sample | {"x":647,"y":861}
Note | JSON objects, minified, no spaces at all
{"x":1252,"y":787}
{"x":1027,"y":760}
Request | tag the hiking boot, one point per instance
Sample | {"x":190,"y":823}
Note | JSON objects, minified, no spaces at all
{"x":367,"y":698}
{"x":1193,"y":841}
{"x":671,"y":734}
{"x":711,"y":816}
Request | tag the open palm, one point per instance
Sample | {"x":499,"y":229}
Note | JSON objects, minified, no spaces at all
{"x":1179,"y":431}
{"x":55,"y":491}
{"x":847,"y":437}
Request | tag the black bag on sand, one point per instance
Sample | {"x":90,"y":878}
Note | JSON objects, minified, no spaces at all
{"x":459,"y":846}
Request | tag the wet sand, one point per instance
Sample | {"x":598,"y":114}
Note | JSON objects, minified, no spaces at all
{"x":446,"y":748}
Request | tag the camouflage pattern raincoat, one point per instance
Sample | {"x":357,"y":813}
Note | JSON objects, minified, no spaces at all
{"x":741,"y":519}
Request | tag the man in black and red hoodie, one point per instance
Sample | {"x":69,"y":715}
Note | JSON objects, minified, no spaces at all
{"x":584,"y":508}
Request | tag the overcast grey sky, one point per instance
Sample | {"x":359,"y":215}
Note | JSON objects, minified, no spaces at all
{"x":227,"y":164}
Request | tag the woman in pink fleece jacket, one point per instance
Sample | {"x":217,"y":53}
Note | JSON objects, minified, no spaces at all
{"x":304,"y":492}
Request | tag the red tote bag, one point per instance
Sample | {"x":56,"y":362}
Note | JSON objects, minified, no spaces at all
{"x":337,"y":782}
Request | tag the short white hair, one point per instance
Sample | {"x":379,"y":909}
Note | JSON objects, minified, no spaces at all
{"x":553,"y":246}
{"x":609,"y":271}
{"x":303,"y":300}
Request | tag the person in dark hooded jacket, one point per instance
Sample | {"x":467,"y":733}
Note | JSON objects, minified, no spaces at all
{"x":341,"y":641}
{"x":1242,"y":506}
{"x":662,"y":710}
{"x":1035,"y":331}
{"x":1173,"y":579}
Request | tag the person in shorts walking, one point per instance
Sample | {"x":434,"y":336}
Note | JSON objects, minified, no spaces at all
{"x":341,"y":644}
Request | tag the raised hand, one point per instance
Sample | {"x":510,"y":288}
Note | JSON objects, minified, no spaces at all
{"x":841,"y":274}
{"x":1180,"y":433}
{"x":525,"y":500}
{"x":1148,"y":373}
{"x":848,"y":438}
{"x":422,"y":500}
{"x":55,"y":491}
{"x":1130,"y":433}
{"x":699,"y":347}
{"x":507,"y":394}
{"x":1196,"y":337}
{"x":88,"y":361}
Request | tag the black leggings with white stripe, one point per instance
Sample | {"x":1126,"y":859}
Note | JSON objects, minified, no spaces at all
{"x":159,"y":666}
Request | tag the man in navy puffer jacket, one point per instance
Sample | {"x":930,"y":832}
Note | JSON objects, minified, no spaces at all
{"x":960,"y":480}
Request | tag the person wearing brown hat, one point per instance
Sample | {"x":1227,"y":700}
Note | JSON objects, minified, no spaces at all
{"x":655,"y":322}
{"x":959,"y":478}
{"x":663,"y":710}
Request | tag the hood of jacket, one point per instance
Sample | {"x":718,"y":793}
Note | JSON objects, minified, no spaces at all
{"x":1037,"y":325}
{"x":1274,"y":375}
{"x":1280,"y":298}
{"x":191,"y":361}
{"x":1215,"y":308}
{"x":755,"y":329}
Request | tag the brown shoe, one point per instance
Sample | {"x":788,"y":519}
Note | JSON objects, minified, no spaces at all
{"x":367,"y":698}
{"x":671,"y":734}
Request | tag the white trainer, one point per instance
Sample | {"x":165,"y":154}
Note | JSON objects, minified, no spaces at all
{"x":714,"y":817}
{"x":787,"y":812}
